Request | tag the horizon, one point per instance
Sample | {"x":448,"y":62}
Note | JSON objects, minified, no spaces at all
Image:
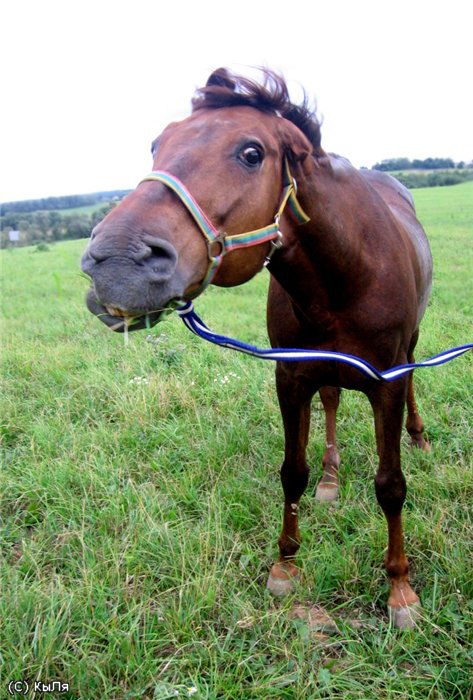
{"x":468,"y":164}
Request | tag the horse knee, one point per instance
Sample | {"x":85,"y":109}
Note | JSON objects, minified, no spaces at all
{"x":390,"y":491}
{"x":294,"y":479}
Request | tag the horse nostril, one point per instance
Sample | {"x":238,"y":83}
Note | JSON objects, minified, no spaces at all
{"x":155,"y":256}
{"x":162,"y":259}
{"x":96,"y":254}
{"x":87,"y":262}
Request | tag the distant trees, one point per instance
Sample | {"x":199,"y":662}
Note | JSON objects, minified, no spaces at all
{"x":50,"y":226}
{"x":430,"y":172}
{"x":38,"y":224}
{"x":72,"y":201}
{"x":394,"y":164}
{"x":44,"y":226}
{"x":433,"y":178}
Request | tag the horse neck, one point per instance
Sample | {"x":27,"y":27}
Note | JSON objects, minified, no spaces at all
{"x":323,"y":263}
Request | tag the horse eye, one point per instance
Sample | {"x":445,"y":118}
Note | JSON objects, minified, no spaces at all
{"x":251,"y":155}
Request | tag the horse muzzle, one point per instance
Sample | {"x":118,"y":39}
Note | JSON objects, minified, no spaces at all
{"x":132,"y":286}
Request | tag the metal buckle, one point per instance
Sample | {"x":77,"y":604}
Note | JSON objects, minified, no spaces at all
{"x":220,"y":240}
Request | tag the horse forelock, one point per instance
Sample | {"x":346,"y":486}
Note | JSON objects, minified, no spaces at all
{"x":225,"y":89}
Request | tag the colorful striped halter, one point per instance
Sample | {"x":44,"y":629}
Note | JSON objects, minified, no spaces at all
{"x":224,"y":242}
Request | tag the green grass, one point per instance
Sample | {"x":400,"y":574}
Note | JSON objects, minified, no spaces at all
{"x":141,"y":502}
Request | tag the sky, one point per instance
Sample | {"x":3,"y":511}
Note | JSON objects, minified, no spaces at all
{"x":86,"y":86}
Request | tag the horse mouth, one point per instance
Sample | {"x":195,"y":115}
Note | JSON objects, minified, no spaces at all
{"x":122,"y":321}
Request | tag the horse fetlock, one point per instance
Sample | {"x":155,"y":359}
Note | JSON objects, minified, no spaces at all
{"x":397,"y":569}
{"x":415,"y":428}
{"x":331,"y":459}
{"x":289,"y":545}
{"x":414,"y":423}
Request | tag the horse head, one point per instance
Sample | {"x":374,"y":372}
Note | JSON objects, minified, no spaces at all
{"x":231,"y":162}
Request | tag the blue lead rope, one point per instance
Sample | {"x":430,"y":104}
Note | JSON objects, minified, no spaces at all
{"x":197,"y":326}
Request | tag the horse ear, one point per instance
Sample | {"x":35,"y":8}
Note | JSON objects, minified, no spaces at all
{"x":296,"y":145}
{"x":222,"y":78}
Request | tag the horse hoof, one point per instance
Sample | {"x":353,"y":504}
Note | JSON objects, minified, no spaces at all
{"x":282,"y":579}
{"x":325,"y":494}
{"x":405,"y":618}
{"x":420,"y":443}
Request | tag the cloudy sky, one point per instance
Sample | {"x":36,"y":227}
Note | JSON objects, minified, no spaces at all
{"x":87,"y":85}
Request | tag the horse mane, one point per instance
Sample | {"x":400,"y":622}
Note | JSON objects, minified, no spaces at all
{"x":225,"y":89}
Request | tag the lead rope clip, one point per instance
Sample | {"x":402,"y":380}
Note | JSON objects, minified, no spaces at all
{"x":276,"y":243}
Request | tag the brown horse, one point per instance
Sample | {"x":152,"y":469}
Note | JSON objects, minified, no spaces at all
{"x":355,"y":278}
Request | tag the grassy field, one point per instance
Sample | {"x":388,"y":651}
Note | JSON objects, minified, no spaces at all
{"x":141,"y":503}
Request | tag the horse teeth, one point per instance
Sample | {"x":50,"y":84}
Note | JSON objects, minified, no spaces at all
{"x":115,"y":311}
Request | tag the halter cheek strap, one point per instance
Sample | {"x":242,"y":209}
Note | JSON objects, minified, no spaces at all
{"x":220,"y":243}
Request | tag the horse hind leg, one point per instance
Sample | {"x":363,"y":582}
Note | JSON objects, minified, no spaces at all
{"x":327,"y":489}
{"x":414,"y":423}
{"x":294,"y":400}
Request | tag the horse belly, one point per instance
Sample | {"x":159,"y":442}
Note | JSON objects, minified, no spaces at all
{"x":421,"y":258}
{"x":424,"y":260}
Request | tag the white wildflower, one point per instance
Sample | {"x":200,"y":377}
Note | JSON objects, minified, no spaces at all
{"x":226,"y":378}
{"x":139,"y":380}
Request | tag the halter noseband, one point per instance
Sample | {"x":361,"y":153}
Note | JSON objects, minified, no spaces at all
{"x":225,"y":241}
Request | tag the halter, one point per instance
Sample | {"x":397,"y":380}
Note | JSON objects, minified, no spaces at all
{"x":225,"y":242}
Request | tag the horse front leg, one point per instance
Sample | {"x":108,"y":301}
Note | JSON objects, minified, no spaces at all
{"x":294,"y":401}
{"x":327,"y":489}
{"x":390,"y":485}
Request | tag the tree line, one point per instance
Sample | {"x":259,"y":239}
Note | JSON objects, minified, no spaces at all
{"x":71,"y":201}
{"x":433,"y":178}
{"x":395,"y":164}
{"x":430,"y":172}
{"x":52,"y":219}
{"x":49,"y":226}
